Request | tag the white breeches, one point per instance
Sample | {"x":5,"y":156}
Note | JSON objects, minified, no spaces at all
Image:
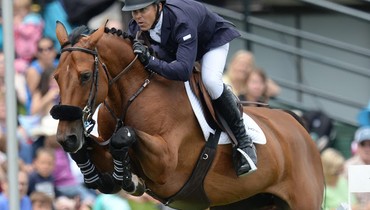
{"x":213,"y":64}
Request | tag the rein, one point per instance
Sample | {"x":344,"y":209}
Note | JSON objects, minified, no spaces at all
{"x":123,"y":71}
{"x":121,"y":119}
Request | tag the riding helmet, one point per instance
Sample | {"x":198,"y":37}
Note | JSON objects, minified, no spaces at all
{"x":131,"y":5}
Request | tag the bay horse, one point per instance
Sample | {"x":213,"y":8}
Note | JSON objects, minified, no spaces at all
{"x":150,"y":140}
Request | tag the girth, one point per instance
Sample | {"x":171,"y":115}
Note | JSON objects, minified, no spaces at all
{"x":192,"y":195}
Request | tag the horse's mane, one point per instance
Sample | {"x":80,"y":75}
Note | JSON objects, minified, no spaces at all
{"x":83,"y":30}
{"x":119,"y":33}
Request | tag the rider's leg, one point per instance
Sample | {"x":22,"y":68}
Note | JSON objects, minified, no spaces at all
{"x":213,"y":63}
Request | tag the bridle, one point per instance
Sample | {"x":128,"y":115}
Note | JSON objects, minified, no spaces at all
{"x":62,"y":112}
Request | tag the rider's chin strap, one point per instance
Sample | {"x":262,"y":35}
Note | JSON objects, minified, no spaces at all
{"x":158,"y":14}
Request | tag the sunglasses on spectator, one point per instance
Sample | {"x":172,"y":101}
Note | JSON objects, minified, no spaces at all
{"x":365,"y":143}
{"x":47,"y":49}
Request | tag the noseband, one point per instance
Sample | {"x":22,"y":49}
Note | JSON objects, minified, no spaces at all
{"x":72,"y":113}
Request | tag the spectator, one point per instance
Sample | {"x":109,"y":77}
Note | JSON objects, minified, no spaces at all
{"x":53,"y":11}
{"x":363,"y":117}
{"x":46,"y":60}
{"x":236,"y":74}
{"x":45,"y":95}
{"x":41,"y":179}
{"x":41,"y":201}
{"x":25,"y":201}
{"x":19,"y":79}
{"x":40,"y":88}
{"x":65,"y":203}
{"x":237,"y":71}
{"x":28,"y":29}
{"x":255,"y":88}
{"x":25,"y":149}
{"x":336,"y":191}
{"x":361,"y":157}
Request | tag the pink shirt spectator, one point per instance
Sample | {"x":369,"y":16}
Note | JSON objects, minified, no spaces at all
{"x":62,"y":172}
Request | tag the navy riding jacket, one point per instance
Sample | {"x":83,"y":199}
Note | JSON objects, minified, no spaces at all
{"x":189,"y":30}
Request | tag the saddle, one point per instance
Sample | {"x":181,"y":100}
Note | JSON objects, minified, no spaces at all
{"x":214,"y":120}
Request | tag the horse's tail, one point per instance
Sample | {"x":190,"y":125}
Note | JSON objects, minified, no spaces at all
{"x":297,"y":117}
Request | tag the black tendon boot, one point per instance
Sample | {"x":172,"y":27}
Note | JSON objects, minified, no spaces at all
{"x":244,"y":156}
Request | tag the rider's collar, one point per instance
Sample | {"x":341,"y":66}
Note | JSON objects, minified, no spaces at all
{"x":155,"y":33}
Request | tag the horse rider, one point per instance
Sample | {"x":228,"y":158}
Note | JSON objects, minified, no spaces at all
{"x":176,"y":29}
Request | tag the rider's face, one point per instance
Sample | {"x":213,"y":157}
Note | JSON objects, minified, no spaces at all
{"x":145,"y":17}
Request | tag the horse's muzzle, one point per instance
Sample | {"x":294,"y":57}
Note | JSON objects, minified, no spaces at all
{"x":70,"y":143}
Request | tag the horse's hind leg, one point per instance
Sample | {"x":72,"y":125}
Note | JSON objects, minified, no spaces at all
{"x":120,"y":143}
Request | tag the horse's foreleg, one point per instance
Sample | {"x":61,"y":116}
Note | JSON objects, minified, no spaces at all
{"x":120,"y":143}
{"x":93,"y":179}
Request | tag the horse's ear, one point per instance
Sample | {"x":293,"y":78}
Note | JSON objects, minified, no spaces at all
{"x":61,"y":33}
{"x":94,"y":37}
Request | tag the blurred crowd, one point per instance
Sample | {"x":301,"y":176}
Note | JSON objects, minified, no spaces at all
{"x":49,"y":179}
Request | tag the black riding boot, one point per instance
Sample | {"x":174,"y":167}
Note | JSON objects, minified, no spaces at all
{"x":244,"y":156}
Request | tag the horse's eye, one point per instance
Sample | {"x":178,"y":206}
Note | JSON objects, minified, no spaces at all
{"x":85,"y":76}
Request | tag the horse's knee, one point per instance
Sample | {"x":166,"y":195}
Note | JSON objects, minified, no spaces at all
{"x":124,"y":137}
{"x":121,"y":141}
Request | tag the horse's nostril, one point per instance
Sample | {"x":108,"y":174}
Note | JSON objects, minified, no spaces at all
{"x":70,"y":143}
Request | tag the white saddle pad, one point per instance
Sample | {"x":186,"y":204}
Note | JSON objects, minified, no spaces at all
{"x":253,"y":130}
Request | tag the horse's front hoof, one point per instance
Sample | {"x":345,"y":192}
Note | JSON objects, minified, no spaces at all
{"x":107,"y":184}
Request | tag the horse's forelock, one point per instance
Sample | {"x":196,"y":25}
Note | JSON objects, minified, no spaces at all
{"x":79,"y":32}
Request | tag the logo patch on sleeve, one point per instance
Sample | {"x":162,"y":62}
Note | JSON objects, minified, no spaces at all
{"x":186,"y":37}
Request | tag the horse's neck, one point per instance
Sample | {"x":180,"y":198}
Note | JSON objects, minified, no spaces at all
{"x":158,"y":104}
{"x":117,"y":54}
{"x":161,"y":99}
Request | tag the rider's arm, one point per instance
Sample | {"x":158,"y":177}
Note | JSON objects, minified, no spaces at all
{"x":181,"y":68}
